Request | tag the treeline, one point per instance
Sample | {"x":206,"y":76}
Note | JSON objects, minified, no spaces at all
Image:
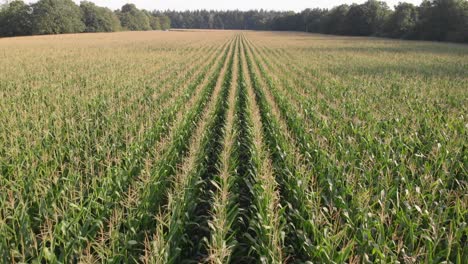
{"x":441,"y":20}
{"x":64,"y":16}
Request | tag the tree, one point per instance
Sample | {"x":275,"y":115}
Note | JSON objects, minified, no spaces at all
{"x":15,"y":19}
{"x":313,"y":19}
{"x":356,"y":21}
{"x":219,"y":22}
{"x":402,"y":22}
{"x":155,"y":23}
{"x":133,"y":19}
{"x":289,"y":21}
{"x":366,"y":19}
{"x":165,"y":22}
{"x":335,"y":21}
{"x":460,"y":31}
{"x":56,"y":17}
{"x":376,"y":12}
{"x":98,"y":19}
{"x":443,"y":20}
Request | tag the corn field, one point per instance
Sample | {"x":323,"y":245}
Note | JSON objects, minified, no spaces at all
{"x":232,"y":147}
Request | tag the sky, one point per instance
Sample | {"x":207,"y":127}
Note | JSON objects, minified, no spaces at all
{"x":294,"y":5}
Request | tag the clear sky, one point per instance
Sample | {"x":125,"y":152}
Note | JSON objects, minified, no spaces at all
{"x":295,"y":5}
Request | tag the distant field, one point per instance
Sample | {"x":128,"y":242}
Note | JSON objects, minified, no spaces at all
{"x":231,"y":146}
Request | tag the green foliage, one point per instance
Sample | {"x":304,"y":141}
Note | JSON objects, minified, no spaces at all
{"x":155,"y":23}
{"x":313,"y":19}
{"x":15,"y":19}
{"x":335,"y":20}
{"x":402,"y":22}
{"x":64,"y":16}
{"x":443,"y":20}
{"x":133,"y":19}
{"x":56,"y":17}
{"x":338,"y":141}
{"x":376,"y":13}
{"x":366,"y":19}
{"x":165,"y":22}
{"x":242,"y":147}
{"x":98,"y":19}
